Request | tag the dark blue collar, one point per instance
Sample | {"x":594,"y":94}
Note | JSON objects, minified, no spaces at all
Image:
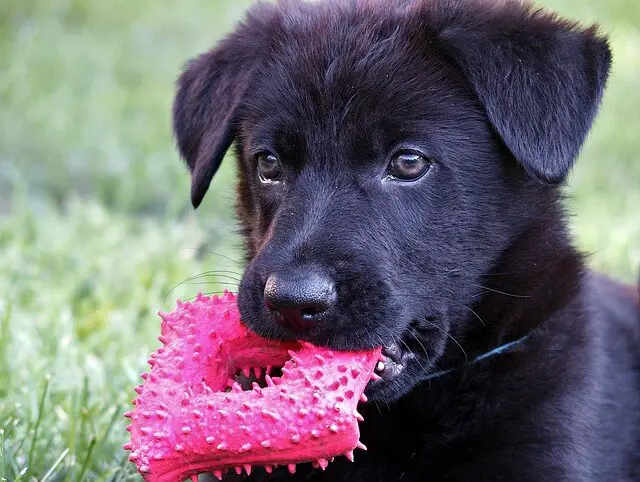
{"x":496,"y":351}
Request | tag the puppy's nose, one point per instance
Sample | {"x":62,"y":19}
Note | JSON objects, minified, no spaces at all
{"x":299,"y":298}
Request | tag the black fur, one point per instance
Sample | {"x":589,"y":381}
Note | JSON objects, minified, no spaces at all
{"x":474,"y":254}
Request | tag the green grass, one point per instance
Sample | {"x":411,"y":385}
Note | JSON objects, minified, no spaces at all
{"x":79,"y":295}
{"x":95,"y":225}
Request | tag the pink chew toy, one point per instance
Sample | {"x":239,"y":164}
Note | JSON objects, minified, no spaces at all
{"x":210,"y":404}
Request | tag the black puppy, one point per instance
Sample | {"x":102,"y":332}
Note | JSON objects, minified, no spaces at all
{"x":400,"y":166}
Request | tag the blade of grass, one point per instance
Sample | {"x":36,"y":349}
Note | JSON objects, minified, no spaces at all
{"x":85,"y":464}
{"x":8,"y":427}
{"x":34,"y":437}
{"x":3,"y":469}
{"x":22,"y":442}
{"x":4,"y":344}
{"x":121,"y":471}
{"x":83,"y":412}
{"x":117,"y":413}
{"x":55,"y":465}
{"x":103,"y":440}
{"x":11,"y":465}
{"x":71,"y":437}
{"x":115,"y":476}
{"x":21,"y":474}
{"x":4,"y":326}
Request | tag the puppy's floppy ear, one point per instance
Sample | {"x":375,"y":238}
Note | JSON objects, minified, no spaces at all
{"x":209,"y":92}
{"x":540,"y":78}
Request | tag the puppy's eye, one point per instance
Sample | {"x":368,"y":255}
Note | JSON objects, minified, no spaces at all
{"x":408,"y":166}
{"x":269,"y":167}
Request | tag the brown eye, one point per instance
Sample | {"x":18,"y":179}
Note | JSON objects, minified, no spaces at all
{"x":408,"y":166}
{"x":269,"y":167}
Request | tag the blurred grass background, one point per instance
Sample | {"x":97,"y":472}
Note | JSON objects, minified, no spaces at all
{"x":96,"y":228}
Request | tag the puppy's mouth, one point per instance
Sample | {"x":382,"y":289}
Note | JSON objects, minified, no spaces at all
{"x":397,"y":357}
{"x":407,"y":359}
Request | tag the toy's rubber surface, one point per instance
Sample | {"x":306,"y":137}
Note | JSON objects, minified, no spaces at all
{"x":193,"y":416}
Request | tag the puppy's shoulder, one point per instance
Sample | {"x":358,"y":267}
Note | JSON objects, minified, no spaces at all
{"x":616,"y":308}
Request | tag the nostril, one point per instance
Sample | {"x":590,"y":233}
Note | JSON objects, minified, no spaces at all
{"x":311,"y":312}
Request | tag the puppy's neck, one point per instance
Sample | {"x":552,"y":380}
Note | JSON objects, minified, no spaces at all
{"x":538,"y":275}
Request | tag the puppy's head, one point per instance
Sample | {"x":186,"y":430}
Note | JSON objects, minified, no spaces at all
{"x":388,"y":153}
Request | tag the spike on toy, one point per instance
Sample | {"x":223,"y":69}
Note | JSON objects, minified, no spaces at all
{"x":213,"y":403}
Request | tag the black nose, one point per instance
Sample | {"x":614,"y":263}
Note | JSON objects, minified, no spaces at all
{"x":299,"y":298}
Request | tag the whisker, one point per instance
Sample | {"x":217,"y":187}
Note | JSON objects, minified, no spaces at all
{"x":466,"y":358}
{"x":481,"y":293}
{"x":476,"y":314}
{"x":224,"y":276}
{"x":204,"y":274}
{"x":504,"y":273}
{"x":192,"y":280}
{"x":218,"y":271}
{"x":501,"y":292}
{"x":411,"y":330}
{"x":202,"y":283}
{"x":239,"y":263}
